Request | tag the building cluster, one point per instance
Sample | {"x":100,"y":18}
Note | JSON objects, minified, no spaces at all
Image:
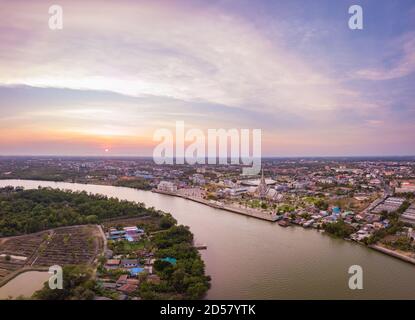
{"x":130,"y":270}
{"x":131,"y":234}
{"x":390,"y":204}
{"x":359,"y":193}
{"x":409,"y":214}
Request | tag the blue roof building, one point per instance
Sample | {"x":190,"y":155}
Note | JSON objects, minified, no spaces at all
{"x":135,"y":271}
{"x":170,"y":260}
{"x":336,"y":210}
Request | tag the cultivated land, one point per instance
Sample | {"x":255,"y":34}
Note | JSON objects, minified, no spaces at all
{"x":38,"y":251}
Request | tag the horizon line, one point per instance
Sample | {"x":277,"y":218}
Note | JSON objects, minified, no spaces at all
{"x":150,"y":156}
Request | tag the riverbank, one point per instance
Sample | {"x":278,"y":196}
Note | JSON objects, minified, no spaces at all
{"x":393,"y":253}
{"x":245,"y":212}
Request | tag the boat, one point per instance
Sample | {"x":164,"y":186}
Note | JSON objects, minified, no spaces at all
{"x":279,"y":217}
{"x":200,"y":246}
{"x":283,"y":223}
{"x":308,"y":224}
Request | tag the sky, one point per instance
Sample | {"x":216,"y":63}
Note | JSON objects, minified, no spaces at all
{"x":120,"y":70}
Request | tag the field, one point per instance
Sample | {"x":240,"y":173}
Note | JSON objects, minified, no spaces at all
{"x":60,"y":246}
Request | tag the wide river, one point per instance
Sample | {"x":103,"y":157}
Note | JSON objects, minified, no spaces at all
{"x":254,"y":259}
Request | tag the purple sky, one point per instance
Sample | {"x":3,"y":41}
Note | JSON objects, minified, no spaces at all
{"x":118,"y":71}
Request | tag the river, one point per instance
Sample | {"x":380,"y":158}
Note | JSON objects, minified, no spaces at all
{"x":254,"y":259}
{"x":25,"y":284}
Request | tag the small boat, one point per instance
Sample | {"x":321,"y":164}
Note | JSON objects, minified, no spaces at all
{"x":283,"y":223}
{"x":200,"y":246}
{"x":279,"y":217}
{"x":308,"y":224}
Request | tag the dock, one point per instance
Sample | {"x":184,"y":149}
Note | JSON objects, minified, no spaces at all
{"x":200,"y":246}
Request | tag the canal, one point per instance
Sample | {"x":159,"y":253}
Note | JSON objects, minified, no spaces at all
{"x":254,"y":259}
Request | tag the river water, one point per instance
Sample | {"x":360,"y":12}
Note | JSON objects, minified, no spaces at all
{"x":25,"y":284}
{"x":254,"y":259}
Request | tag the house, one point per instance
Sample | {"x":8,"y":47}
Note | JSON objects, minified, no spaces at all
{"x":132,"y":230}
{"x":153,"y":279}
{"x":149,"y":269}
{"x":130,"y":234}
{"x":112,"y":264}
{"x":347,"y":214}
{"x":167,"y":186}
{"x":135,"y":282}
{"x":109,"y":285}
{"x":324,"y":213}
{"x":406,"y":187}
{"x":129,"y":263}
{"x":114,"y":234}
{"x":409,"y":215}
{"x":373,"y":218}
{"x":336,"y":210}
{"x":378,"y":225}
{"x":128,"y":288}
{"x":122,"y":280}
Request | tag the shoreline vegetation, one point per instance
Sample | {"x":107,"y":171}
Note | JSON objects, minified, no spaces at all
{"x":38,"y":216}
{"x":136,"y":183}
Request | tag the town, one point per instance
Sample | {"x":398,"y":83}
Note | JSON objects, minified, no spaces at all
{"x":367,"y":200}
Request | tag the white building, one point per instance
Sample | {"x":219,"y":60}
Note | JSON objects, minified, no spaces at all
{"x":198,"y":178}
{"x":167,"y":186}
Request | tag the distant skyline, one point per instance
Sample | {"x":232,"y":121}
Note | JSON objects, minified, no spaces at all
{"x":120,"y":70}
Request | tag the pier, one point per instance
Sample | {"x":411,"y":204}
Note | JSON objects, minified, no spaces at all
{"x":200,"y":246}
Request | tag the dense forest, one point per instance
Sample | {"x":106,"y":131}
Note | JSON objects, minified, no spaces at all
{"x":28,"y":211}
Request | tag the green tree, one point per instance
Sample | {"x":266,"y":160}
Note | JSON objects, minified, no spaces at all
{"x":77,"y":285}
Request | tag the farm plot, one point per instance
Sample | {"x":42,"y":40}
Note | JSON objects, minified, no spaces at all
{"x":61,"y":246}
{"x":70,"y":245}
{"x":16,"y":252}
{"x":24,"y":246}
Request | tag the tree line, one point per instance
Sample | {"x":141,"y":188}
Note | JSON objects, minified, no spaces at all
{"x":29,"y":211}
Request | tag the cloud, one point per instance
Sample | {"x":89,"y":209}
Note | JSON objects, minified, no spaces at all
{"x":119,"y":70}
{"x":166,"y":51}
{"x":404,"y":66}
